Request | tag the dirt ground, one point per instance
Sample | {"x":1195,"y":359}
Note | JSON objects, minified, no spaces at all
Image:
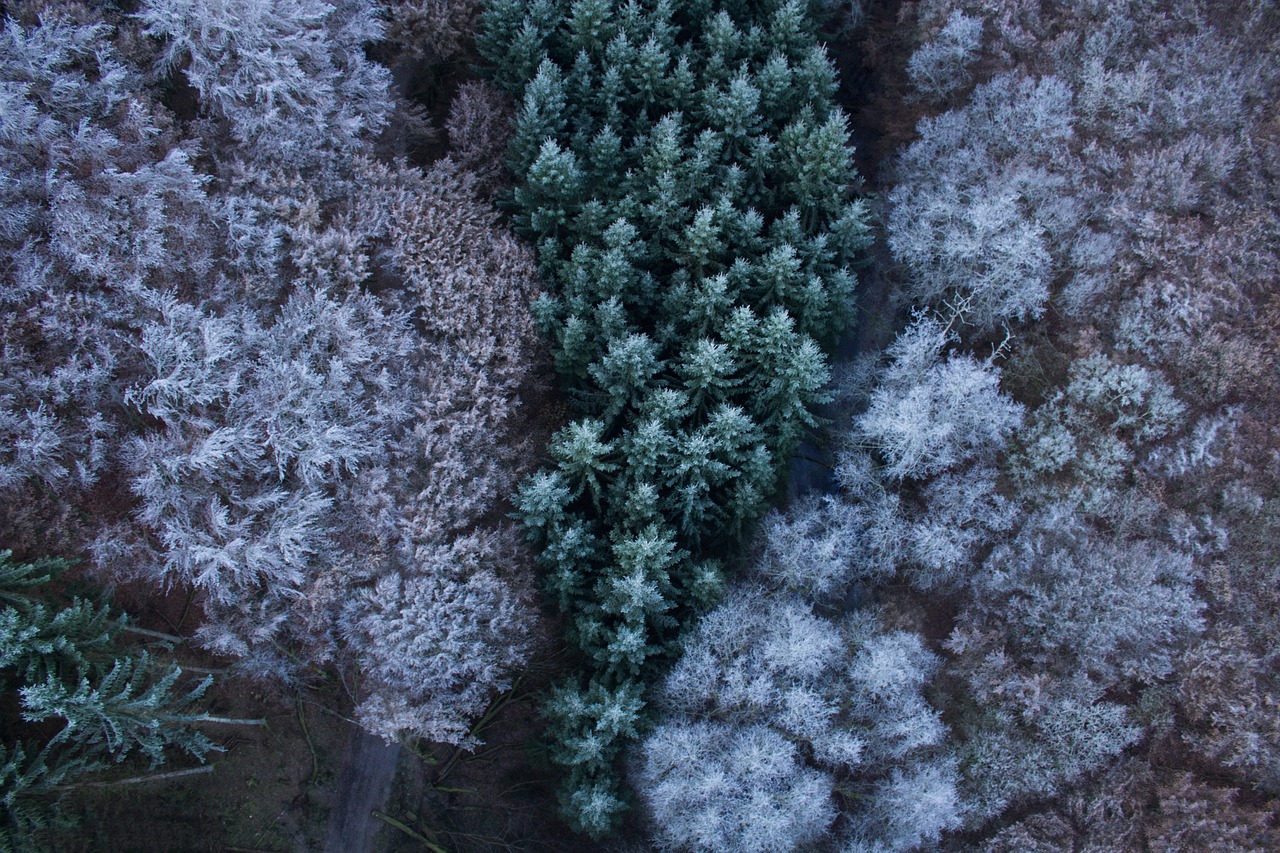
{"x":276,"y":786}
{"x":499,"y":797}
{"x":271,"y":790}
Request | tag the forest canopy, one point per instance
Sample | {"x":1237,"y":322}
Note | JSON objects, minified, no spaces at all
{"x":457,"y":356}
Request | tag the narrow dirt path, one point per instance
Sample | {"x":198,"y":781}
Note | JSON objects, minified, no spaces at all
{"x":364,"y":784}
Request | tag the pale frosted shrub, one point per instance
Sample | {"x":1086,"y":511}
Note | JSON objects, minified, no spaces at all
{"x":717,"y":787}
{"x":438,"y":639}
{"x":941,"y":65}
{"x":929,"y":414}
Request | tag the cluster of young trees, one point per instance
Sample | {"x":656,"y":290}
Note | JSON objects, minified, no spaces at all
{"x":251,"y":355}
{"x":780,"y":728}
{"x":687,"y":182}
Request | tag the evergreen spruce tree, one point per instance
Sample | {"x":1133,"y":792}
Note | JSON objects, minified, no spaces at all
{"x":69,"y":664}
{"x":687,"y":182}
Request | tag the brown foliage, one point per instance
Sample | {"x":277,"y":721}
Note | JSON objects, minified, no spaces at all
{"x":431,"y":30}
{"x":479,"y":126}
{"x":1140,"y":809}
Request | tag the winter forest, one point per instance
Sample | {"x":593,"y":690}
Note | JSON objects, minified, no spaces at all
{"x":682,"y":425}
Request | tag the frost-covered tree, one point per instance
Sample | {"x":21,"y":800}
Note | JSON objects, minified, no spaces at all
{"x":928,"y":414}
{"x":1068,"y":592}
{"x":960,"y":514}
{"x":909,"y":810}
{"x":437,"y":640}
{"x":287,"y":105}
{"x":1085,"y":440}
{"x":1060,"y":617}
{"x":479,"y":127}
{"x":1133,"y":807}
{"x":587,"y":727}
{"x":716,"y":786}
{"x":812,"y":548}
{"x":289,"y":76}
{"x":434,"y":31}
{"x":1070,"y":599}
{"x":975,"y":223}
{"x":1036,"y":743}
{"x":855,"y":748}
{"x":919,"y":489}
{"x":941,"y":65}
{"x":260,"y":429}
{"x":456,"y":618}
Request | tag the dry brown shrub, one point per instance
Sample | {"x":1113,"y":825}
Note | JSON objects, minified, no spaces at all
{"x":431,"y":30}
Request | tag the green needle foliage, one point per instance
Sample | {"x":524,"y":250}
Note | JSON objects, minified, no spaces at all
{"x":84,"y":700}
{"x":687,"y":182}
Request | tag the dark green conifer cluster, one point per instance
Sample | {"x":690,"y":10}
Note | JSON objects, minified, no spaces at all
{"x":687,"y":182}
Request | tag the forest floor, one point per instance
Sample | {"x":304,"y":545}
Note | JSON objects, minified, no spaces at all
{"x":498,"y":797}
{"x":368,"y":768}
{"x":271,"y":790}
